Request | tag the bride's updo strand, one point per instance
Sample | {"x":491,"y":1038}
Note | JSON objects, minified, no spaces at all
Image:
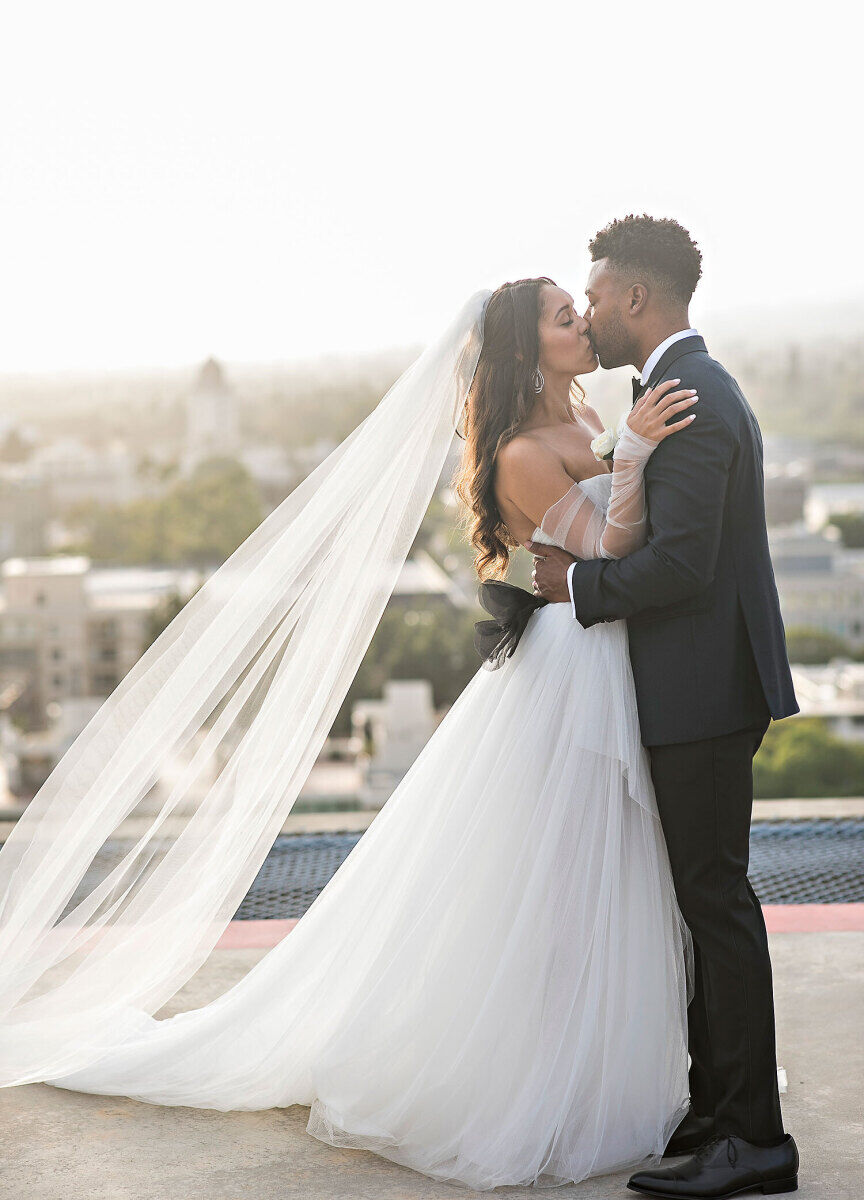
{"x":501,"y":397}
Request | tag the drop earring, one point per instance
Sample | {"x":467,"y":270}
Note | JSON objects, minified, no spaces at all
{"x":538,"y":380}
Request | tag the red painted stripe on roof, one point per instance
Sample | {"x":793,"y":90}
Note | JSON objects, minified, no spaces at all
{"x":779,"y":918}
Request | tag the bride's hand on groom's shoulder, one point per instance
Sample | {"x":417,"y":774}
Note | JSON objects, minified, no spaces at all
{"x":650,"y":413}
{"x":549,"y":577}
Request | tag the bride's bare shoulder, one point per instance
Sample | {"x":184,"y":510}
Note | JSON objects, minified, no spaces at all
{"x":555,"y":451}
{"x":521,"y":460}
{"x":524,"y":450}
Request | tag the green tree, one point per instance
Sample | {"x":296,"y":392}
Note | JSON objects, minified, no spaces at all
{"x":851,"y":526}
{"x":164,"y":613}
{"x":813,"y":646}
{"x":200,"y":521}
{"x":801,"y":757}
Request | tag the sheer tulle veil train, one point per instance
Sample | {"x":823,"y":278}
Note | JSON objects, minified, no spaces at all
{"x":209,"y":738}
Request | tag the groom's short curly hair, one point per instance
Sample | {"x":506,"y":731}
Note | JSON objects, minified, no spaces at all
{"x":656,"y":246}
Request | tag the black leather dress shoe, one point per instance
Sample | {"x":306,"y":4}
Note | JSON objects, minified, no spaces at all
{"x":724,"y":1166}
{"x":692,"y":1131}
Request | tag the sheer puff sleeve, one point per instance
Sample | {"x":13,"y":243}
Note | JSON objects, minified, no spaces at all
{"x":577,"y":525}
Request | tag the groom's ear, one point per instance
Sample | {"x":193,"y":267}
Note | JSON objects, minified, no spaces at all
{"x":637,"y":299}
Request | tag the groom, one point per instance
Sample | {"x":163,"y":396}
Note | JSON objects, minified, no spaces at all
{"x":709,"y":662}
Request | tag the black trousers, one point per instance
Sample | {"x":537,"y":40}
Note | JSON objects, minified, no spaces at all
{"x":704,"y":795}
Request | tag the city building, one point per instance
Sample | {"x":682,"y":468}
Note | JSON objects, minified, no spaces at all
{"x":394,"y":729}
{"x":785,"y":497}
{"x":422,"y":583}
{"x":834,"y":692}
{"x":212,"y":418}
{"x":68,"y":630}
{"x":71,"y":471}
{"x":825,"y":500}
{"x":818,"y":589}
{"x":25,"y":512}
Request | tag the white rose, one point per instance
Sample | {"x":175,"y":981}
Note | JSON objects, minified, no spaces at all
{"x":604,"y":444}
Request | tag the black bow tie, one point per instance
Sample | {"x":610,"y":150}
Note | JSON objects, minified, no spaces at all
{"x":638,"y":388}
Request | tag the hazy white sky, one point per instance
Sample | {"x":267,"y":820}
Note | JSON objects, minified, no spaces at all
{"x":267,"y":181}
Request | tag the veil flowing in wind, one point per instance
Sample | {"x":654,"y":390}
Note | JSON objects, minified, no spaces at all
{"x":203,"y":747}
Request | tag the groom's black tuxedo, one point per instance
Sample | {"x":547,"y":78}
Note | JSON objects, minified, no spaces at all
{"x":703,"y":618}
{"x":710,"y":667}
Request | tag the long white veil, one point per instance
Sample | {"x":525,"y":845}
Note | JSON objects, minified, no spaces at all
{"x":207,"y":741}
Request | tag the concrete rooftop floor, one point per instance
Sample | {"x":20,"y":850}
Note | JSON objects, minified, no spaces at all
{"x":57,"y":1144}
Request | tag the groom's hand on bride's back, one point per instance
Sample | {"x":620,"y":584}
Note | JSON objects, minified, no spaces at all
{"x":549,"y":577}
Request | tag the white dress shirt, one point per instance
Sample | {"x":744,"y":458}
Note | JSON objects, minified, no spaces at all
{"x":650,"y":363}
{"x":654,"y":357}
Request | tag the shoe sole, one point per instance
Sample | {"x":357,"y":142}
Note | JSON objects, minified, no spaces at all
{"x":774,"y":1188}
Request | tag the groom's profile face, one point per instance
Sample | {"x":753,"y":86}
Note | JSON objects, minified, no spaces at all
{"x":606,"y":314}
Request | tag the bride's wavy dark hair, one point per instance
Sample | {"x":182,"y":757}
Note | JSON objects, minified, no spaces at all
{"x":500,"y":399}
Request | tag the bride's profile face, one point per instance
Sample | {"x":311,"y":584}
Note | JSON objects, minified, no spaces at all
{"x":565,"y":343}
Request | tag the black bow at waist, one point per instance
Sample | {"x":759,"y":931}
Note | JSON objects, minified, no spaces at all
{"x":511,"y":607}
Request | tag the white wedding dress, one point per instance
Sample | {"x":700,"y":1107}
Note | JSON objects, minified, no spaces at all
{"x":492,"y":987}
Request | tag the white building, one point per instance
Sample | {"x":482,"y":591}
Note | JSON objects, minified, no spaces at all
{"x":826,"y":499}
{"x":818,"y":588}
{"x":835,"y":693}
{"x":422,"y":582}
{"x":68,"y":635}
{"x":68,"y":630}
{"x":212,"y":417}
{"x":399,"y":726}
{"x":71,"y":471}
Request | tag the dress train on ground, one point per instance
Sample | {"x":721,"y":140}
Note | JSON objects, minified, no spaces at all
{"x":492,"y":987}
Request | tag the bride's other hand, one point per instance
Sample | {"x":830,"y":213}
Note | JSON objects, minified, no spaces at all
{"x":650,"y":413}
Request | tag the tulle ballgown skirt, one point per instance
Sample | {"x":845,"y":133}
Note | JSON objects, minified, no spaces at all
{"x":492,"y":988}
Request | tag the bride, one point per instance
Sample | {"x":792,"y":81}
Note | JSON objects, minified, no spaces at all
{"x":492,"y":988}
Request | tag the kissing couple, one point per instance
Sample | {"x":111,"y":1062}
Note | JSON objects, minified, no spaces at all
{"x":544,"y":960}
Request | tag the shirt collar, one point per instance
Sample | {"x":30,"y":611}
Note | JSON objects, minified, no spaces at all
{"x":653,"y":359}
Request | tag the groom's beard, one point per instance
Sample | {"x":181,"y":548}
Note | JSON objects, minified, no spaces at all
{"x":615,"y":355}
{"x":612,"y":346}
{"x":609,"y":361}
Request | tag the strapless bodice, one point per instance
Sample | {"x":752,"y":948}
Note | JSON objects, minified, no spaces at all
{"x":598,"y":488}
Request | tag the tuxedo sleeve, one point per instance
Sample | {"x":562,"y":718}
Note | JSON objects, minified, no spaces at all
{"x":685,"y":490}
